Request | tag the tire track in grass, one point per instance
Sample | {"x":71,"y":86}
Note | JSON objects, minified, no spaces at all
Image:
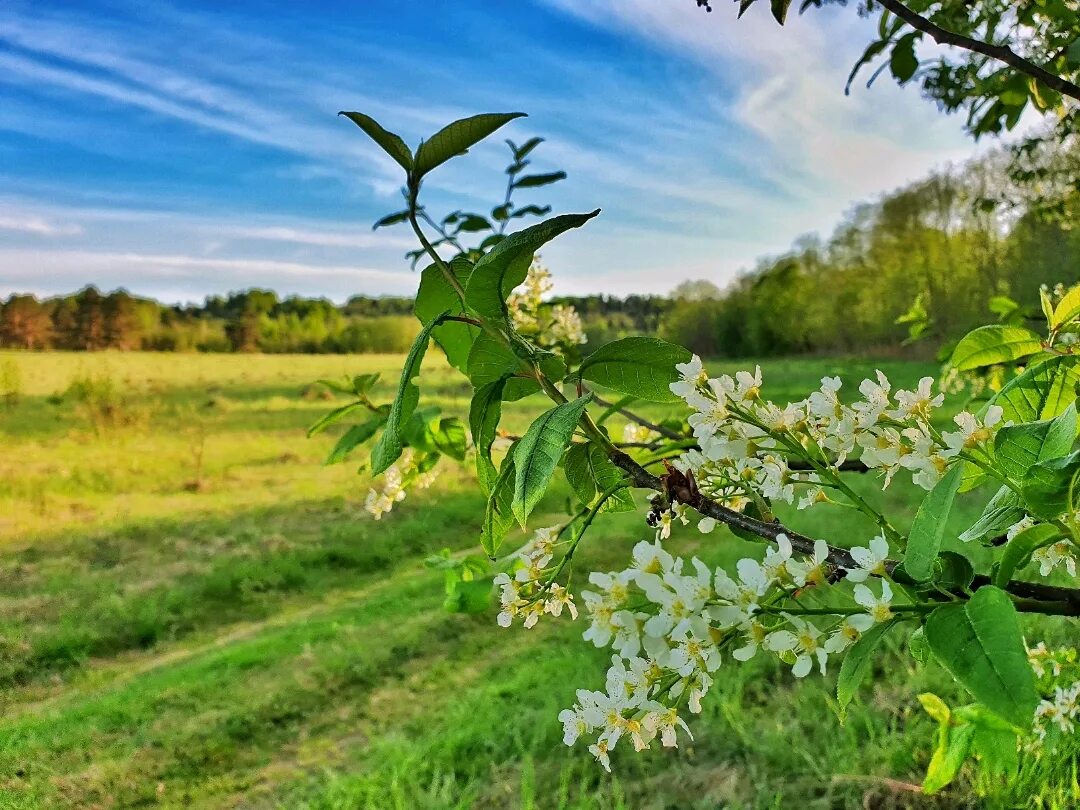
{"x":101,"y":675}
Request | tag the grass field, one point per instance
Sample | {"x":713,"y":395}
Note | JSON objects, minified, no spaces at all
{"x":195,"y":612}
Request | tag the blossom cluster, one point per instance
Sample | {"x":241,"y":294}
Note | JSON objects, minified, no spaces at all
{"x":746,"y":442}
{"x":670,"y":624}
{"x":554,"y":326}
{"x":531,"y":592}
{"x":410,"y":469}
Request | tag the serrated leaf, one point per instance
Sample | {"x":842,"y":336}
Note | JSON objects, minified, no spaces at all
{"x":953,"y":571}
{"x":1067,"y":308}
{"x":436,"y":296}
{"x":538,"y":453}
{"x":928,"y":528}
{"x":990,"y":345}
{"x":643,"y":367}
{"x":354,"y":436}
{"x":980,"y":643}
{"x":456,"y":139}
{"x":1003,"y":510}
{"x":390,"y":143}
{"x":1018,"y":447}
{"x":334,"y":417}
{"x":591,"y":473}
{"x":485,"y":411}
{"x":537,"y":180}
{"x":505,"y":266}
{"x":857,"y":662}
{"x":388,"y":448}
{"x":1019,"y":550}
{"x":1048,"y":486}
{"x":498,"y":513}
{"x":449,"y":438}
{"x":1043,"y":391}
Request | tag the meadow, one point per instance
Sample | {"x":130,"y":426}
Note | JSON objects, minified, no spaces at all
{"x":194,"y":612}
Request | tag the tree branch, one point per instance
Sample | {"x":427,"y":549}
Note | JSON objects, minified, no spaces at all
{"x":1036,"y":597}
{"x":640,"y":420}
{"x":1002,"y":53}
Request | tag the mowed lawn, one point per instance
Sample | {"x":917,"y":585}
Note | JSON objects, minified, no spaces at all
{"x":195,"y":612}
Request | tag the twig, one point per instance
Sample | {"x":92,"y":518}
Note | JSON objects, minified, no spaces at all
{"x":1033,"y":597}
{"x":1002,"y":53}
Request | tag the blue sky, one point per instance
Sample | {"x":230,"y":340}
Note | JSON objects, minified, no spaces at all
{"x":192,"y":148}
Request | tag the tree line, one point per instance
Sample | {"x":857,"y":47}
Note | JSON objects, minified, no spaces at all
{"x":954,"y":240}
{"x":258,"y":320}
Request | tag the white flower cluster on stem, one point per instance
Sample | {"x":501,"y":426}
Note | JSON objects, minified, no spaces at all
{"x":747,"y":443}
{"x":405,"y":472}
{"x":669,"y":627}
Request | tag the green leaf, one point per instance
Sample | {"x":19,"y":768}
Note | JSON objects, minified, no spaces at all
{"x":953,"y":746}
{"x":1019,"y":550}
{"x":935,"y":707}
{"x":578,"y":473}
{"x":953,"y":571}
{"x":390,"y":219}
{"x":388,"y":448}
{"x":334,"y":417}
{"x":928,"y":528}
{"x":1067,"y":309}
{"x":456,"y":139}
{"x":449,"y":437}
{"x":903,"y":62}
{"x":498,"y":513}
{"x":490,"y":360}
{"x":505,"y":266}
{"x":390,"y":143}
{"x":591,"y":473}
{"x":990,"y":345}
{"x":1004,"y":509}
{"x":1047,"y":487}
{"x":980,"y":643}
{"x":857,"y":662}
{"x":1042,"y":392}
{"x":473,"y":223}
{"x":531,"y":210}
{"x":997,"y":749}
{"x":363,"y":383}
{"x":538,"y":453}
{"x":418,"y":431}
{"x":522,"y":152}
{"x":355,"y":435}
{"x":1018,"y":447}
{"x":780,"y":9}
{"x":536,"y":180}
{"x":918,"y":647}
{"x":643,"y":367}
{"x":484,"y":415}
{"x":435,"y":297}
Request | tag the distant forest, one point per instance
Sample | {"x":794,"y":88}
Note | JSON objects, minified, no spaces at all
{"x":258,"y":320}
{"x":956,"y":239}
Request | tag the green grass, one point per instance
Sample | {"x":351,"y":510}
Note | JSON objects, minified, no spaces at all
{"x":195,"y":612}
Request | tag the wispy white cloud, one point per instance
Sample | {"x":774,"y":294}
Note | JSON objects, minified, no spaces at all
{"x":173,"y":277}
{"x":38,"y":226}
